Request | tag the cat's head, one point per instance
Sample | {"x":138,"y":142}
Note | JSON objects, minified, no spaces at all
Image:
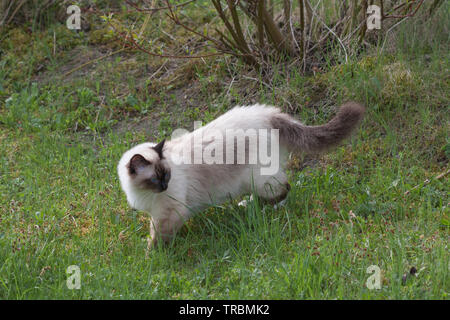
{"x":146,"y":168}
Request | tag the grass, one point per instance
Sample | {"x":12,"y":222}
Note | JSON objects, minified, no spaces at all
{"x":61,"y":203}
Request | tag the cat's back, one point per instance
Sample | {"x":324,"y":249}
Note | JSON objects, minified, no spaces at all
{"x":257,"y":116}
{"x":244,"y":117}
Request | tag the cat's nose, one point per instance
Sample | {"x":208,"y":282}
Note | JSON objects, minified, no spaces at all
{"x":163,"y":185}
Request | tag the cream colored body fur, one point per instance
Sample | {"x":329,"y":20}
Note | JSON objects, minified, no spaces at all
{"x":194,"y":187}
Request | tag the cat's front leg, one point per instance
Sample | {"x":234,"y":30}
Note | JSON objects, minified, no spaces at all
{"x":165,"y":227}
{"x":151,"y":240}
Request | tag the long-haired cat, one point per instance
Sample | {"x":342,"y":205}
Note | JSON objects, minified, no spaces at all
{"x":170,"y":186}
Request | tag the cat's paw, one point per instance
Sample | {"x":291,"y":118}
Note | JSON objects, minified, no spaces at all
{"x":245,"y":202}
{"x":151,"y":243}
{"x":280,"y":204}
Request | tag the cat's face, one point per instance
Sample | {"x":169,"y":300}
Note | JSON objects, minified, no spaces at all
{"x":149,"y":170}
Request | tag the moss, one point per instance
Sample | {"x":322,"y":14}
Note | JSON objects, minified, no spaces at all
{"x":367,"y":63}
{"x":18,"y":40}
{"x":399,"y":82}
{"x":65,"y":39}
{"x":103,"y":36}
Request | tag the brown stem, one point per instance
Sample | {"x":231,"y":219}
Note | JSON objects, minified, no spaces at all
{"x":382,"y":9}
{"x":228,"y":25}
{"x":260,"y":24}
{"x":157,"y":9}
{"x":275,"y":35}
{"x":287,"y":20}
{"x":237,"y":26}
{"x":302,"y":27}
{"x":406,"y":15}
{"x":364,"y":27}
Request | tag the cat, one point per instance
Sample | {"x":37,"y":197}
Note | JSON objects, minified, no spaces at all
{"x":171,"y":187}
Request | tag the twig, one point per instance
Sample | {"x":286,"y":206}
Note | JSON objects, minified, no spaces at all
{"x":138,"y":47}
{"x":54,"y":43}
{"x":177,"y":21}
{"x":14,"y":12}
{"x":6,"y":13}
{"x":324,"y":37}
{"x":229,"y":87}
{"x":129,"y":42}
{"x":302,"y":30}
{"x":157,"y":71}
{"x":159,"y":8}
{"x":333,"y":33}
{"x":92,"y":61}
{"x":407,"y":15}
{"x":389,"y":30}
{"x":428,"y":181}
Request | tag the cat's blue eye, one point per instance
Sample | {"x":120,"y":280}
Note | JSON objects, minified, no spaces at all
{"x":154,"y":180}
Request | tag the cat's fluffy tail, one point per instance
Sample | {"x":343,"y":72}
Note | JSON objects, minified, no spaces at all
{"x":310,"y":139}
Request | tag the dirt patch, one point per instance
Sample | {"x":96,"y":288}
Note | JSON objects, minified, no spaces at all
{"x":72,"y":66}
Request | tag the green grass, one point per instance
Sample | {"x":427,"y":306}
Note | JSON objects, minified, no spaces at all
{"x":61,"y":202}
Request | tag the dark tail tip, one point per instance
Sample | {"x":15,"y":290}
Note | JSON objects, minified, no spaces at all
{"x":351,"y":113}
{"x":311,"y":139}
{"x":319,"y":138}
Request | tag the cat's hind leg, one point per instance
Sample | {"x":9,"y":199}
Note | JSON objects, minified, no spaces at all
{"x":273,"y":189}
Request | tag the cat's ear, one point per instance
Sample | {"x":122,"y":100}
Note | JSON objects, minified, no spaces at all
{"x":159,"y":147}
{"x":137,"y":162}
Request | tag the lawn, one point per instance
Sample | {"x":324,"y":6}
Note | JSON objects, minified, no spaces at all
{"x":373,"y":201}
